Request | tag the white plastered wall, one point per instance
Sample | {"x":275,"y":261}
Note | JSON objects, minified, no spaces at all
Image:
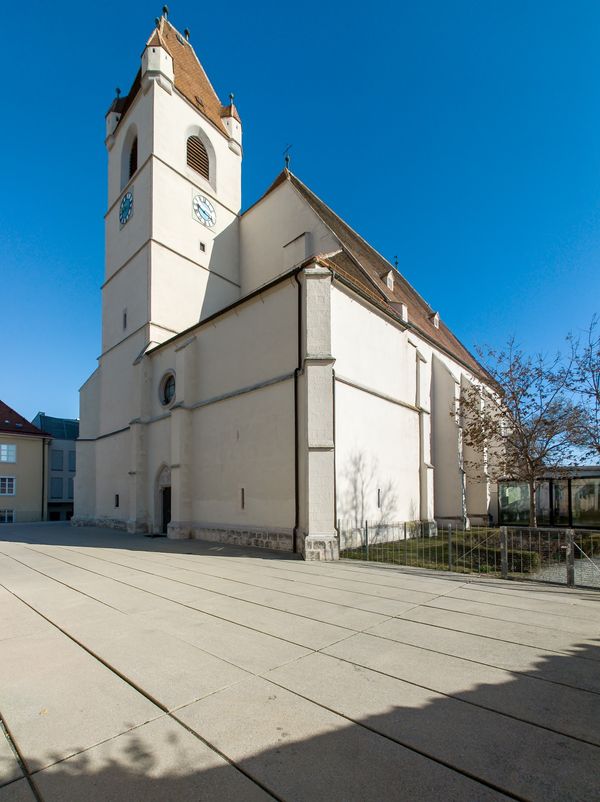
{"x":245,"y":440}
{"x":276,"y":221}
{"x":376,"y":420}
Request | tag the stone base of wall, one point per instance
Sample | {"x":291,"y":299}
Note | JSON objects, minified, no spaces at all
{"x":257,"y":537}
{"x":106,"y":523}
{"x":319,"y":547}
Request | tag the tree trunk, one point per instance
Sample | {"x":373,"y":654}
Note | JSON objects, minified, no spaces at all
{"x":532,"y":510}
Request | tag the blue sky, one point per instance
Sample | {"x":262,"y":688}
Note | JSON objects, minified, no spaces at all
{"x":463,"y":137}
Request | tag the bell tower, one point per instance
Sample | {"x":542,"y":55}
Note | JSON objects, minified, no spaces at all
{"x":174,"y":196}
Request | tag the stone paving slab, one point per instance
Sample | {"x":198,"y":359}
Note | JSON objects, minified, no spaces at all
{"x":457,"y":687}
{"x":170,"y":670}
{"x":573,"y":712}
{"x":56,"y":699}
{"x":566,"y":608}
{"x":327,"y":612}
{"x":252,"y":651}
{"x":262,"y":580}
{"x":302,"y":752}
{"x":482,"y":743}
{"x":509,"y":631}
{"x":157,"y":762}
{"x":17,"y":619}
{"x":505,"y":613}
{"x":17,"y":792}
{"x":301,"y":631}
{"x":137,"y":578}
{"x":9,"y":765}
{"x":577,"y":673}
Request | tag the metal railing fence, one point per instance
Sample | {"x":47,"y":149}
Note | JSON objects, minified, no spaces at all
{"x":564,"y":556}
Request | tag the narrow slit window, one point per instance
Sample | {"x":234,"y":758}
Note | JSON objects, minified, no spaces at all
{"x":197,"y":156}
{"x":116,"y":499}
{"x":133,"y":158}
{"x":243,"y":498}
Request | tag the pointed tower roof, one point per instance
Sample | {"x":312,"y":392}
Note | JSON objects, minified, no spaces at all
{"x":189,"y":76}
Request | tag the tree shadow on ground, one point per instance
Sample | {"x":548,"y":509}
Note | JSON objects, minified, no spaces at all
{"x":393,"y":741}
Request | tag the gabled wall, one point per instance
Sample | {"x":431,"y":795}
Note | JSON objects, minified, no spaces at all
{"x":278,"y":232}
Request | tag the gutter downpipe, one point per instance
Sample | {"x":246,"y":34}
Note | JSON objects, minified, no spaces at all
{"x":335,"y":520}
{"x":297,"y":373}
{"x":43,"y":475}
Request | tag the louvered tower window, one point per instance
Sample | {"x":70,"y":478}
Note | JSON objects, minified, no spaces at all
{"x":133,"y":158}
{"x":197,"y":157}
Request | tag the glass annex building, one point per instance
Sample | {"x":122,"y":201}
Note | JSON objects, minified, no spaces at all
{"x":569,"y":501}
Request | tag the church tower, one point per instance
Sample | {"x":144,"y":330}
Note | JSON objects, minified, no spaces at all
{"x":172,"y":251}
{"x":174,"y":196}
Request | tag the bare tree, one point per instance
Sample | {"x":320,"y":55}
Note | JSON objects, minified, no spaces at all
{"x":523,"y":421}
{"x":584,"y":381}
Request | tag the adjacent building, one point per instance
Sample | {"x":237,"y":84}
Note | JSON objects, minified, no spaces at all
{"x":266,"y":374}
{"x":61,"y":464}
{"x":23,"y":468}
{"x":570,"y":497}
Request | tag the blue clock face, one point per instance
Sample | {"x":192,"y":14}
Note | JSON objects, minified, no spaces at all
{"x":204,"y":211}
{"x":126,"y":208}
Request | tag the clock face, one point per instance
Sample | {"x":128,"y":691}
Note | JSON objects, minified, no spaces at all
{"x":126,"y":208}
{"x":204,"y":211}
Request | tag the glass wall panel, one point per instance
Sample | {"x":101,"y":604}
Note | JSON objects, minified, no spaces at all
{"x":560,"y":502}
{"x":513,"y":501}
{"x":585,"y":498}
{"x":542,"y":503}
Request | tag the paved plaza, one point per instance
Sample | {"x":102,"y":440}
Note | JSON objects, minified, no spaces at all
{"x":136,"y":668}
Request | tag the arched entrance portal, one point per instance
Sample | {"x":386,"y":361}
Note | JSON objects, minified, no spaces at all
{"x":162,"y":501}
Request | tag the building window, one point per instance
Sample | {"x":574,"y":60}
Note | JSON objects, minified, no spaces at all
{"x":8,"y":452}
{"x":116,"y":499}
{"x":69,"y":488}
{"x":56,"y":487}
{"x":167,"y":389}
{"x":197,"y":156}
{"x":7,"y":486}
{"x":71,"y":460}
{"x":133,"y":160}
{"x":124,"y":319}
{"x":585,"y":501}
{"x":56,"y":459}
{"x":7,"y":516}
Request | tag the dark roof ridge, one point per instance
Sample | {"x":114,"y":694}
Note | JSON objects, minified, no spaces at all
{"x":368,"y":245}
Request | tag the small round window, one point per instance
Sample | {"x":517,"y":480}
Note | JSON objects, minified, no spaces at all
{"x":167,"y":393}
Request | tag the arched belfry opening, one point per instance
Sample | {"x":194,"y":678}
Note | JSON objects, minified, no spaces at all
{"x":197,"y":156}
{"x":133,"y":157}
{"x":129,"y":155}
{"x":162,"y":500}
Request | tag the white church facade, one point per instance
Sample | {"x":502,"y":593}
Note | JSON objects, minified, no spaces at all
{"x":263,"y":375}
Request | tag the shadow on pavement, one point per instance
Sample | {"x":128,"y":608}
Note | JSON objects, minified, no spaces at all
{"x":435,"y":748}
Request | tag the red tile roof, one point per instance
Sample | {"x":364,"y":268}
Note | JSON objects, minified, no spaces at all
{"x":189,"y":76}
{"x":13,"y":423}
{"x":361,"y":265}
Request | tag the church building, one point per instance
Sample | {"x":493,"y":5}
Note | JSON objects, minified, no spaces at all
{"x":264,"y":375}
